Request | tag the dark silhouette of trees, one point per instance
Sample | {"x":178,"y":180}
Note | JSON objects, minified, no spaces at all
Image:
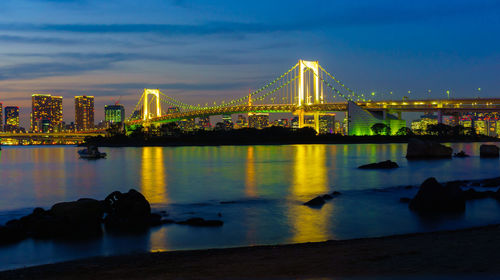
{"x":381,"y":128}
{"x":170,"y":129}
{"x":404,"y":131}
{"x":115,"y":129}
{"x":440,"y":129}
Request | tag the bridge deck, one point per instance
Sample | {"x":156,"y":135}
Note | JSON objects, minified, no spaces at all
{"x":444,"y":105}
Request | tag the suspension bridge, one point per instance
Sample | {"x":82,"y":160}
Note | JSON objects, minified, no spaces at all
{"x":306,"y":89}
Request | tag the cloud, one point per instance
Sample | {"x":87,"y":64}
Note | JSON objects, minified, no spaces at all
{"x":29,"y":71}
{"x":175,"y":86}
{"x":212,"y":28}
{"x":34,"y":40}
{"x":364,"y":13}
{"x":68,"y":64}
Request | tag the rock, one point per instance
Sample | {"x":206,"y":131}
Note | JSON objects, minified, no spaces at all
{"x":42,"y":224}
{"x":155,"y":220}
{"x":327,"y":197}
{"x":456,"y":184}
{"x":227,"y":202}
{"x":167,"y":221}
{"x":336,"y":193}
{"x":460,"y":154}
{"x":82,"y":211}
{"x":473,"y":194}
{"x":380,"y":165}
{"x":317,"y":201}
{"x":432,"y":197}
{"x":489,"y":151}
{"x":10,"y":235}
{"x":38,"y":211}
{"x":426,"y":149}
{"x":200,"y":222}
{"x":405,"y":200}
{"x":490,"y":183}
{"x":127,"y":211}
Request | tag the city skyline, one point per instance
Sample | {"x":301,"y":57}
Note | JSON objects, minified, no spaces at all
{"x":200,"y":52}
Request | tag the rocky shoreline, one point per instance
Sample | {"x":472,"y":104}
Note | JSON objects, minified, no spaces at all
{"x":87,"y":218}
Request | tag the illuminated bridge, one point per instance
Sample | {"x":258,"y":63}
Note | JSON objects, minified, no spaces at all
{"x":305,"y":89}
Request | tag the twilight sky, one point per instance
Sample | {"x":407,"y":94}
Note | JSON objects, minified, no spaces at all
{"x":201,"y":51}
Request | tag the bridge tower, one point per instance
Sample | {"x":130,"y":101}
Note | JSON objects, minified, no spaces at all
{"x":306,"y":96}
{"x":146,"y":110}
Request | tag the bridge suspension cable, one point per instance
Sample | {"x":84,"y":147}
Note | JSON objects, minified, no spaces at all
{"x":303,"y":84}
{"x":341,"y":84}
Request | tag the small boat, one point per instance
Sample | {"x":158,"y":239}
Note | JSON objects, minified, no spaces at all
{"x":91,"y":152}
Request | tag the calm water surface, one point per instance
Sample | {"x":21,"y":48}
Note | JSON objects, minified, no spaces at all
{"x":266,"y":186}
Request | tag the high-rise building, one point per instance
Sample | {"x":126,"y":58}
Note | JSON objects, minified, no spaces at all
{"x":84,"y":112}
{"x":137,"y":114}
{"x":327,"y":123}
{"x":186,"y":124}
{"x":57,"y":113}
{"x":481,"y":127}
{"x":11,"y":118}
{"x":241,"y":121}
{"x":280,"y":122}
{"x":204,"y":123}
{"x":258,"y":120}
{"x":114,"y":113}
{"x":46,"y":112}
{"x":1,"y":116}
{"x":227,"y":122}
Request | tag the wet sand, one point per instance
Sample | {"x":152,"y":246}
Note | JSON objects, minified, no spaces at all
{"x":474,"y":251}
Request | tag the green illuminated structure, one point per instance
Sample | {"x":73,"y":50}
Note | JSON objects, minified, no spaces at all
{"x":360,"y":121}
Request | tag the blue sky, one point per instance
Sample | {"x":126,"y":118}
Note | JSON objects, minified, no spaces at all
{"x":200,"y":51}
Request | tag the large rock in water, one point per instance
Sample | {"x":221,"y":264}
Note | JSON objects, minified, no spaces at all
{"x":127,"y":211}
{"x":380,"y":165}
{"x":488,"y":151}
{"x":315,"y":202}
{"x":84,"y":215}
{"x":427,"y":149}
{"x":432,"y":197}
{"x":80,"y":218}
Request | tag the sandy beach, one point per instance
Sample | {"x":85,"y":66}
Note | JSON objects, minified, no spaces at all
{"x":474,"y":251}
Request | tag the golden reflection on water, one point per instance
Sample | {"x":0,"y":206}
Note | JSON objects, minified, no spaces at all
{"x":250,"y":184}
{"x":310,"y":178}
{"x":153,"y":175}
{"x":48,"y":182}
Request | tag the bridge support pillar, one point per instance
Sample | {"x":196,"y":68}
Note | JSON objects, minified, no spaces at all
{"x":316,"y":122}
{"x":301,"y":118}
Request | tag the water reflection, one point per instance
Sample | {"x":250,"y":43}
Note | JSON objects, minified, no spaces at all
{"x":310,"y":178}
{"x":250,"y":184}
{"x":154,"y":175}
{"x":49,"y":182}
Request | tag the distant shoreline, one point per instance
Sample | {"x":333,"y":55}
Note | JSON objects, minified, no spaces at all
{"x":217,"y":140}
{"x":472,"y":251}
